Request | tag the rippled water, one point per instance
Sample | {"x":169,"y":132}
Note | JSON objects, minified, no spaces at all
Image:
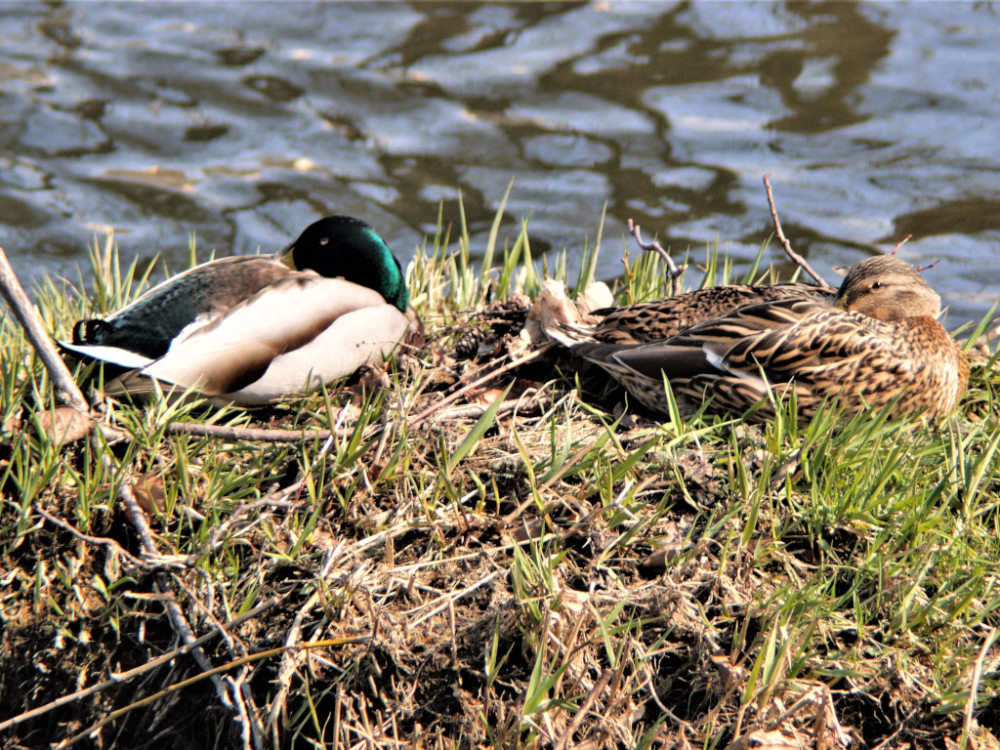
{"x":244,"y":122}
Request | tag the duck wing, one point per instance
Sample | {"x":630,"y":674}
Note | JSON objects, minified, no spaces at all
{"x":706,"y":347}
{"x":818,"y":353}
{"x":655,"y":321}
{"x":148,"y":326}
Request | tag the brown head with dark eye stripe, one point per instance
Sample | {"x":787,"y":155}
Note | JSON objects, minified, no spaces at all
{"x":888,"y":288}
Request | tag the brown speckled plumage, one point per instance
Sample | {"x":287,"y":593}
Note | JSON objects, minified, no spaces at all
{"x":655,"y":321}
{"x":877,"y":341}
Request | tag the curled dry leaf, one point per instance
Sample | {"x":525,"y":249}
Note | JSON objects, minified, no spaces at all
{"x":486,"y":396}
{"x":700,"y":476}
{"x":12,"y":424}
{"x":671,"y":538}
{"x":527,"y":530}
{"x":371,"y":379}
{"x":149,"y":493}
{"x":64,"y":424}
{"x":596,"y":296}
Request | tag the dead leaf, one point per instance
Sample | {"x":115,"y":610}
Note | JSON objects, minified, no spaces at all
{"x":486,"y":396}
{"x":64,"y":424}
{"x":700,"y":476}
{"x":149,"y":493}
{"x":528,"y":530}
{"x":596,"y":296}
{"x":671,"y":537}
{"x":371,"y":379}
{"x":553,"y":308}
{"x":12,"y":424}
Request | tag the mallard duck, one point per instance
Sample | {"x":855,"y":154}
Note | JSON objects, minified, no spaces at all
{"x":875,"y":341}
{"x":255,"y":329}
{"x":647,"y":322}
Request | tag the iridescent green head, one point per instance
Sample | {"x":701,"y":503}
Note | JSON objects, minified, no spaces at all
{"x":342,"y":246}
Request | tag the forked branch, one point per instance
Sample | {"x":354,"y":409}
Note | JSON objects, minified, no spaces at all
{"x":674,"y":272}
{"x":798,"y":259}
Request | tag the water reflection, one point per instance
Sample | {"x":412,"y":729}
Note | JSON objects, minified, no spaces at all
{"x":243,"y":122}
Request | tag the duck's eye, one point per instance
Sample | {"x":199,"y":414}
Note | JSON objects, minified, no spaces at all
{"x":877,"y":285}
{"x":324,"y":241}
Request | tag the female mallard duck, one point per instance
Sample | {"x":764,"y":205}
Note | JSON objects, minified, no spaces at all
{"x":658,"y":320}
{"x":877,"y":342}
{"x":254,"y":329}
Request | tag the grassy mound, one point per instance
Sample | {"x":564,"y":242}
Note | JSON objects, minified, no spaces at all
{"x":525,"y":565}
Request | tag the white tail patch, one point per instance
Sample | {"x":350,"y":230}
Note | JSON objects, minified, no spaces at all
{"x":111,"y":354}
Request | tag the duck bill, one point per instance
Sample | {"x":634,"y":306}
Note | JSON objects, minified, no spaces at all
{"x":286,"y":256}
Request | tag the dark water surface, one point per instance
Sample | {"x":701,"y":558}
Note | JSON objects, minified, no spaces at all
{"x":244,"y":122}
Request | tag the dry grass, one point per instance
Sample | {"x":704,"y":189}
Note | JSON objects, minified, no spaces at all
{"x":519,"y":568}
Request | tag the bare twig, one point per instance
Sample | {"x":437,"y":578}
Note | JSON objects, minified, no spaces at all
{"x":244,"y":433}
{"x":581,"y":712}
{"x":260,"y":435}
{"x":131,"y":674}
{"x":674,"y":272}
{"x":246,"y":716}
{"x":473,"y":411}
{"x":798,"y":259}
{"x":215,"y":672}
{"x":921,"y":268}
{"x":29,"y":319}
{"x":900,"y":244}
{"x":449,"y":597}
{"x":977,"y":674}
{"x":250,"y":434}
{"x":288,"y":663}
{"x":478,"y":382}
{"x":111,"y":544}
{"x":178,"y":621}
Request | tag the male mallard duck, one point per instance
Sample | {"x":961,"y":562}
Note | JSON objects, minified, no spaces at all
{"x":876,"y":341}
{"x":254,"y":329}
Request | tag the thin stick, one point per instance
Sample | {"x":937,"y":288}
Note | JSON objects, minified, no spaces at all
{"x":674,"y":272}
{"x":900,"y":244}
{"x":30,"y":321}
{"x":977,"y":674}
{"x":61,"y":377}
{"x":473,"y":411}
{"x":921,"y":267}
{"x":450,"y":597}
{"x":178,"y":620}
{"x":111,"y":544}
{"x":249,"y":434}
{"x":118,"y":679}
{"x":478,"y":382}
{"x":581,"y":712}
{"x":798,"y":259}
{"x":215,"y":672}
{"x":284,"y":679}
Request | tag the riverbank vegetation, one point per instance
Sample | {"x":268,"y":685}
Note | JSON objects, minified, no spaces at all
{"x":523,"y":564}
